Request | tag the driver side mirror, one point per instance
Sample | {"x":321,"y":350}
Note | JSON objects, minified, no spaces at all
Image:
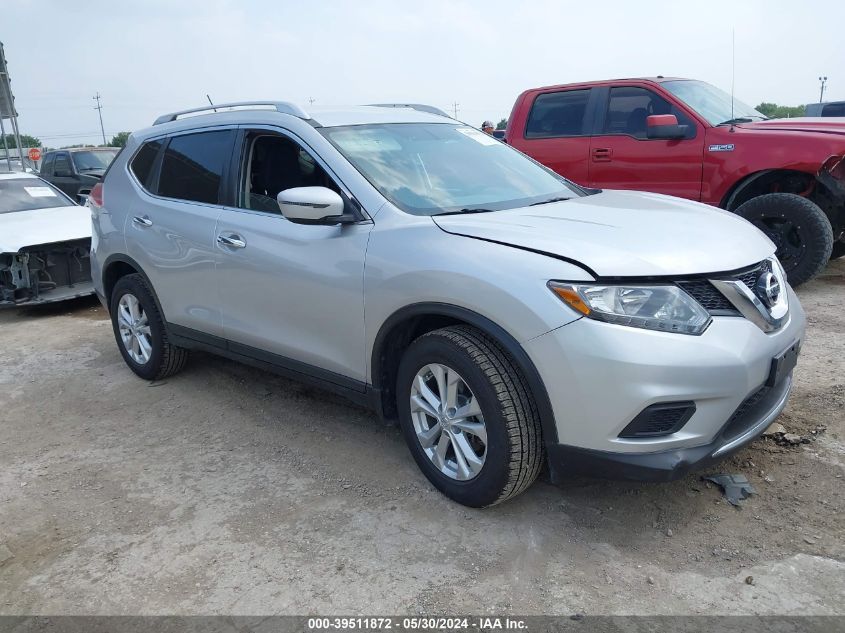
{"x":665,"y":127}
{"x":313,"y":205}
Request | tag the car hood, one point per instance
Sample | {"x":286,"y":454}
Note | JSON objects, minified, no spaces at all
{"x":624,"y":234}
{"x":43,"y":226}
{"x":824,"y":125}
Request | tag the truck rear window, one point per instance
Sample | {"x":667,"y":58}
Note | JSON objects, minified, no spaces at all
{"x":558,"y":114}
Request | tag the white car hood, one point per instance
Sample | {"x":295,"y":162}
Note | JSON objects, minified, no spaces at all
{"x":624,"y":234}
{"x":43,"y":226}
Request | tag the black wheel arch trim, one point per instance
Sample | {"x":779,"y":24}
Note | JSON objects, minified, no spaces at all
{"x":489,"y":327}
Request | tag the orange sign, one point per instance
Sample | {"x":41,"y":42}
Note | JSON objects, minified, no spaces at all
{"x":35,"y":154}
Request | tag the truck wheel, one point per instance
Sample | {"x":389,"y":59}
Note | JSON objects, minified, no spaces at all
{"x":467,"y":417}
{"x":798,"y":227}
{"x":140,"y":333}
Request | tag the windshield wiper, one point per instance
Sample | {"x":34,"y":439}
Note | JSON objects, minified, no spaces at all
{"x":549,"y":201}
{"x":742,"y":119}
{"x":462,"y":211}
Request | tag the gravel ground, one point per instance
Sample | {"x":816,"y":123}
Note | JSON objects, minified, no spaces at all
{"x":227,"y":490}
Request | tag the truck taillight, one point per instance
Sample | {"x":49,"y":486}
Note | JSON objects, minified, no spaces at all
{"x":96,"y":195}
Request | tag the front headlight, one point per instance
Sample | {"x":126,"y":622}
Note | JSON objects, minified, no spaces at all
{"x":665,"y":308}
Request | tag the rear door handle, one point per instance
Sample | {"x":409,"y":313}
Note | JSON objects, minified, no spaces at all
{"x":142,"y":221}
{"x":232,"y":241}
{"x":602,"y":154}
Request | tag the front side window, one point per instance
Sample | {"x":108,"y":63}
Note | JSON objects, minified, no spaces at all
{"x":93,"y":160}
{"x":275,"y":163}
{"x":629,"y":108}
{"x":431,"y":168}
{"x":834,"y":109}
{"x":192,"y":166}
{"x":25,"y":194}
{"x":715,"y":105}
{"x":558,"y":114}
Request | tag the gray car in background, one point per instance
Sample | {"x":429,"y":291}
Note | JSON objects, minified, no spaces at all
{"x":504,"y":316}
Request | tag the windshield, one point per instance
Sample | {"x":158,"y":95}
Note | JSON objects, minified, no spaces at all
{"x":25,"y":194}
{"x":431,"y":168}
{"x":94,"y":159}
{"x":710,"y":102}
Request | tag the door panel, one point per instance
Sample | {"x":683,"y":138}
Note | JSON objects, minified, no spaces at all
{"x":556,"y":132}
{"x":294,"y":290}
{"x":173,"y":241}
{"x":622,"y":157}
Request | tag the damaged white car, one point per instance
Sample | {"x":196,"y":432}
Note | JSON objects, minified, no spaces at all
{"x":45,"y":243}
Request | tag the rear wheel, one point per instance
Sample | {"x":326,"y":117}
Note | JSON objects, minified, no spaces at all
{"x":140,"y":333}
{"x":467,"y":416}
{"x":799,"y":228}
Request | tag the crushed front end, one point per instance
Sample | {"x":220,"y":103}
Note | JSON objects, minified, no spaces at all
{"x":46,"y":273}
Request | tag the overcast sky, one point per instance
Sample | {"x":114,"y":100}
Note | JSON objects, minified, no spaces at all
{"x":154,"y":56}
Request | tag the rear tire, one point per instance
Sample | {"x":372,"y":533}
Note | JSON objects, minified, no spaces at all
{"x":509,"y":457}
{"x":799,"y":228}
{"x":140,"y":333}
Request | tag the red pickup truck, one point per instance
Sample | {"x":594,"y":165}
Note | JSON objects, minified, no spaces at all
{"x":687,"y":138}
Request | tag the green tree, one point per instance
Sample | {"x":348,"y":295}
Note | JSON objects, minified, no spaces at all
{"x":26,"y":140}
{"x":119,"y":139}
{"x":502,"y":125}
{"x":775,"y":111}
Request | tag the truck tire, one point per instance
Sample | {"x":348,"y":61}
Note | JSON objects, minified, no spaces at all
{"x":468,"y":417}
{"x":140,"y":333}
{"x":798,"y":227}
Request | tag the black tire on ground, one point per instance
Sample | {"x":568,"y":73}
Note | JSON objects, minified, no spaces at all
{"x":165,"y":358}
{"x":798,"y":227}
{"x":514,"y":449}
{"x":838,"y":250}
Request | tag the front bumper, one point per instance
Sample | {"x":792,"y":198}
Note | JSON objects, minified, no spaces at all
{"x":600,"y":376}
{"x":752,"y":417}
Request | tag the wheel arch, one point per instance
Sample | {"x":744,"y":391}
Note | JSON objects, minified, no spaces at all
{"x":117,"y":266}
{"x":406,"y":324}
{"x":754,"y":184}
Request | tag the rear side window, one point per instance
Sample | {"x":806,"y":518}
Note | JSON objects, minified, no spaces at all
{"x":142,"y":164}
{"x":47,"y":165}
{"x":192,"y":166}
{"x":629,"y":107}
{"x":834,"y":109}
{"x":558,"y":114}
{"x":62,"y":165}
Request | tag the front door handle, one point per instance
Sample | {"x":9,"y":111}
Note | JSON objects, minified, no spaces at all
{"x":602,"y":154}
{"x":142,"y":221}
{"x":233,"y":241}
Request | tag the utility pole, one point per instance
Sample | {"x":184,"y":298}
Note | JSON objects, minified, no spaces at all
{"x":311,"y":100}
{"x":99,"y":109}
{"x":455,"y":105}
{"x":821,"y":95}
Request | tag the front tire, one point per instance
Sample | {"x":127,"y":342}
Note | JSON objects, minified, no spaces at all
{"x":468,"y":417}
{"x":799,"y":228}
{"x":140,"y":333}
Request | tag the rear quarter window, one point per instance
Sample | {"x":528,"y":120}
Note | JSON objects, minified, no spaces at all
{"x":142,"y":163}
{"x":192,"y":166}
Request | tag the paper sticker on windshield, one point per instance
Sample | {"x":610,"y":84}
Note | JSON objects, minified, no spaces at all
{"x":722,"y":148}
{"x":480,"y":137}
{"x":40,"y":192}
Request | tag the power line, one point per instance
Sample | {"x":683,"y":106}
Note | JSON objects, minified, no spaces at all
{"x":99,"y":109}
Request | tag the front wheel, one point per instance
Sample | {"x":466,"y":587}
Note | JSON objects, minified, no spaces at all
{"x":799,"y":228}
{"x":467,"y":416}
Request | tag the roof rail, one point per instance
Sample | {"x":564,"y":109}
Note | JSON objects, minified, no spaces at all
{"x":419,"y":107}
{"x":284,"y":107}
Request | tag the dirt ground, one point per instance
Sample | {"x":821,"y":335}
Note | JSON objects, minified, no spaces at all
{"x":227,"y":490}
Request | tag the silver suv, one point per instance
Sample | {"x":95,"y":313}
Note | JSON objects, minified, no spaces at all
{"x":506,"y":317}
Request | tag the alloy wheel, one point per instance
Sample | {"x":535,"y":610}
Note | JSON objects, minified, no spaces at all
{"x":134,"y":329}
{"x":448,"y":422}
